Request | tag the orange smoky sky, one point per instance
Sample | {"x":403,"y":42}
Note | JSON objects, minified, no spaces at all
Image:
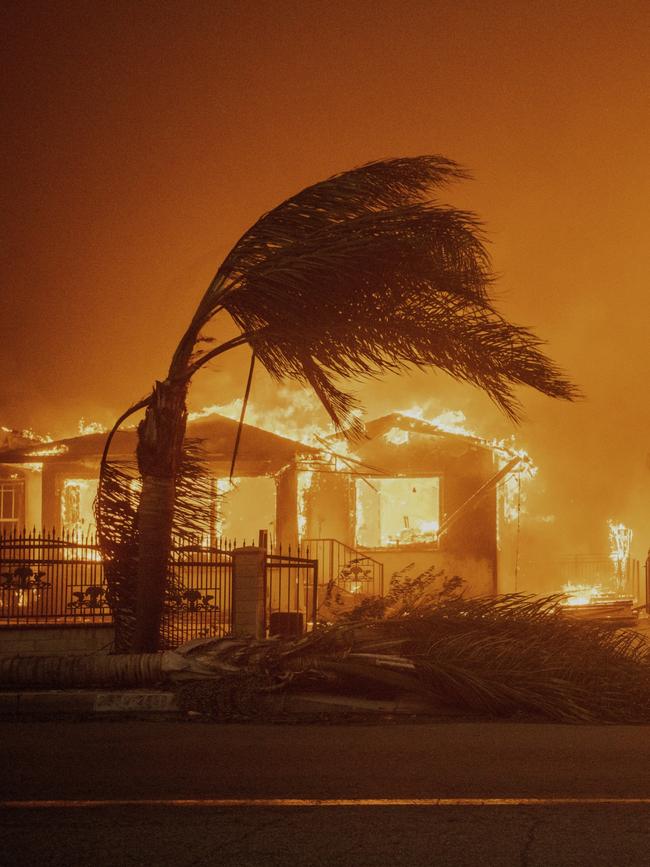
{"x":142,"y":138}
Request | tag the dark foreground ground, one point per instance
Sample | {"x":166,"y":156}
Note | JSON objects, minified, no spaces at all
{"x":97,"y":762}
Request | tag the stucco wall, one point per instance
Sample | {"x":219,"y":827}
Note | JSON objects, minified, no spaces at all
{"x":28,"y":640}
{"x":477,"y":572}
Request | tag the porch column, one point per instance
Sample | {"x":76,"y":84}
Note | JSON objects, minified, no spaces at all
{"x":51,"y":499}
{"x":249,"y":592}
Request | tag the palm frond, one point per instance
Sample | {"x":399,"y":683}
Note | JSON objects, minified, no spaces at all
{"x":494,"y":656}
{"x":362,"y":274}
{"x":377,"y":186}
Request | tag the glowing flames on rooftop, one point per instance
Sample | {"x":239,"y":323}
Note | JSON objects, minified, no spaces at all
{"x":449,"y":420}
{"x":90,"y":427}
{"x":293,"y":417}
{"x":454,"y":422}
{"x":48,"y":451}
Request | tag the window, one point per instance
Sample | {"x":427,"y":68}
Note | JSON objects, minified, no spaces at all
{"x":11,"y":503}
{"x":398,"y":512}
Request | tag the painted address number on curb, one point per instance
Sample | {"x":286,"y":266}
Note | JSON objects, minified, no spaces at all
{"x":121,"y":701}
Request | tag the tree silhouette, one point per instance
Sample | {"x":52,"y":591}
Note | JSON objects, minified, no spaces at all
{"x":355,"y":276}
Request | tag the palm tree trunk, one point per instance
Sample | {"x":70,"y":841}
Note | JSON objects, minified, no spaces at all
{"x":160,"y":442}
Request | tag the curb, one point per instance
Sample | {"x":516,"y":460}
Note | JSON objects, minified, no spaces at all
{"x":49,"y":703}
{"x":151,"y":704}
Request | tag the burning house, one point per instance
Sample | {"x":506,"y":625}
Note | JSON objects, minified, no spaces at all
{"x":54,"y":484}
{"x":410,"y":492}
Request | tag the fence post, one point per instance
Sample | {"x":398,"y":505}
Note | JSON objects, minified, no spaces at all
{"x":249,"y":591}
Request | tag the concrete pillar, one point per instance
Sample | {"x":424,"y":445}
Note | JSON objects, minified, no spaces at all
{"x":286,"y":506}
{"x":249,"y":592}
{"x":33,"y":499}
{"x":51,"y":499}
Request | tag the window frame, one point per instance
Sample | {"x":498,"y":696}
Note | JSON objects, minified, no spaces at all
{"x":411,"y":546}
{"x":14,"y":523}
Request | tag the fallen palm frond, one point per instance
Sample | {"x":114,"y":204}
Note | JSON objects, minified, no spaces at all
{"x":494,"y":656}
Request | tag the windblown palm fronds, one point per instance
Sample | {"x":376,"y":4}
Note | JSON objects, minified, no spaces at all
{"x":362,"y":274}
{"x":494,"y":656}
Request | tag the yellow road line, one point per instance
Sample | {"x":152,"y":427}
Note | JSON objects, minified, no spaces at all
{"x":321,"y":802}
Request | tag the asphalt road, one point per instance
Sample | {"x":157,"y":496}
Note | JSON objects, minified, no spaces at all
{"x":98,"y":762}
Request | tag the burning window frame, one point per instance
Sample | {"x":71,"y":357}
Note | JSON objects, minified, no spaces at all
{"x":416,"y":538}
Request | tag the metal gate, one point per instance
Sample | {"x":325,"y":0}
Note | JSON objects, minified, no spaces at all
{"x":291,"y":592}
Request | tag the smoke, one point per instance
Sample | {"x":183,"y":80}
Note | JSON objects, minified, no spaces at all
{"x":152,"y":171}
{"x":592,"y":455}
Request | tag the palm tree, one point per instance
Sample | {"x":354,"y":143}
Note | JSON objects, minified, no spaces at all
{"x":360,"y":274}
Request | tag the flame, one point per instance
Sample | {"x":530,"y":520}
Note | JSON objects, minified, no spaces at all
{"x":28,"y":434}
{"x":77,"y":516}
{"x":224,"y":486}
{"x":294,"y":416}
{"x":512,"y":495}
{"x":449,"y":420}
{"x":398,"y":511}
{"x":620,"y":541}
{"x":582,"y":594}
{"x":49,"y":451}
{"x":90,"y":427}
{"x":396,"y":436}
{"x":305,"y":480}
{"x":453,"y":422}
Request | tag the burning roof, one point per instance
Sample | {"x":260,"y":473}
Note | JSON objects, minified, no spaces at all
{"x":15,"y":439}
{"x":216,"y":433}
{"x":397,"y":427}
{"x":263,"y":450}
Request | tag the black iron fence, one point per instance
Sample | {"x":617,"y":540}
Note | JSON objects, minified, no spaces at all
{"x":291,"y":594}
{"x":199,"y":603}
{"x":58,"y":579}
{"x":47,"y":578}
